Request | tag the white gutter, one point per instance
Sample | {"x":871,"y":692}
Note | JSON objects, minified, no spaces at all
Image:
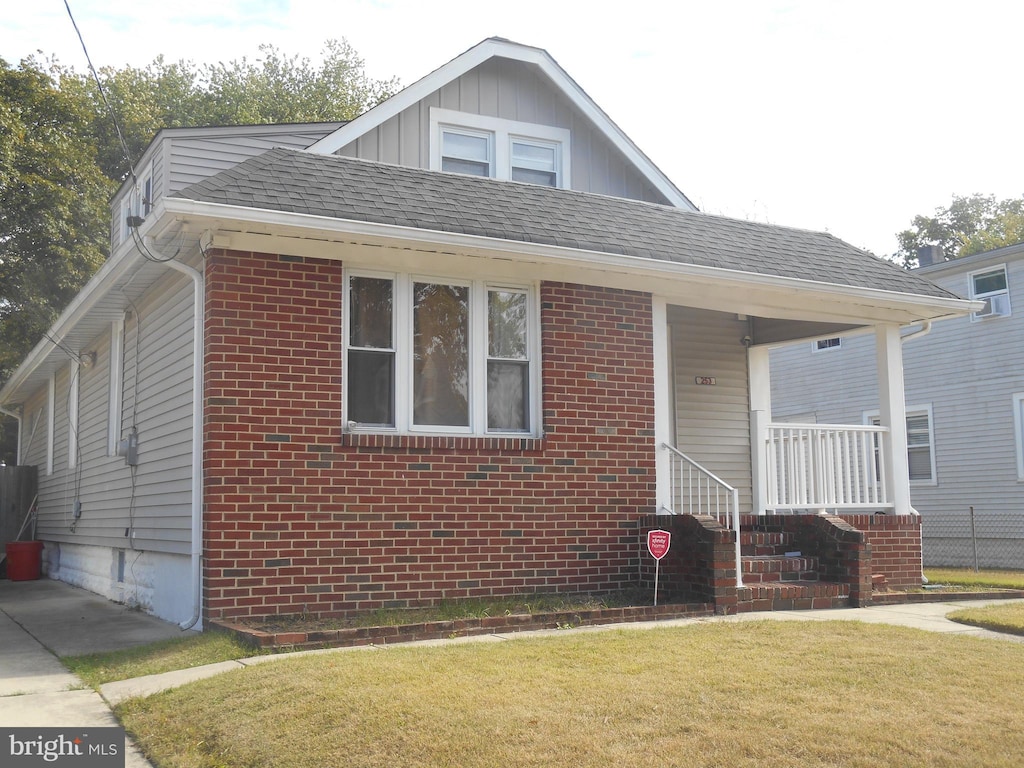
{"x":553,"y":253}
{"x":198,"y":327}
{"x":926,"y":326}
{"x":16,"y":417}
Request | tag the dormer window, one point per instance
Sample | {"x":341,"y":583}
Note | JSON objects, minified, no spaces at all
{"x":991,"y":287}
{"x":478,"y":145}
{"x":469,"y":152}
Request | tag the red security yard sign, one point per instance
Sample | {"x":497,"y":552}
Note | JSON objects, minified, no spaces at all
{"x":658,"y":543}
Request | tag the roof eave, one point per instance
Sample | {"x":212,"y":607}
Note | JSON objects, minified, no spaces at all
{"x":909,"y":307}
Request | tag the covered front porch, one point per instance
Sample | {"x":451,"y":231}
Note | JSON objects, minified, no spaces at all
{"x":724,"y":462}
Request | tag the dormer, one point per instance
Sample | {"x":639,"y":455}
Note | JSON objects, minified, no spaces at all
{"x":506,"y":111}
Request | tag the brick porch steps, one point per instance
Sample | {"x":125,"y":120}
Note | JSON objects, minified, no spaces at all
{"x":774,"y":582}
{"x":762,"y":568}
{"x":792,"y":596}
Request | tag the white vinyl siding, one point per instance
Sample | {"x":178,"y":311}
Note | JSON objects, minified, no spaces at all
{"x":154,"y":500}
{"x":712,"y":421}
{"x":971,"y":373}
{"x":184,"y":156}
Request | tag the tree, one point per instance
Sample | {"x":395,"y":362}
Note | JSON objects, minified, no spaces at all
{"x":61,"y":156}
{"x":273,"y":88}
{"x":969,"y":225}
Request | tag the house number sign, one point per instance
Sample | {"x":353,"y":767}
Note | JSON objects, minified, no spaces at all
{"x":708,"y":380}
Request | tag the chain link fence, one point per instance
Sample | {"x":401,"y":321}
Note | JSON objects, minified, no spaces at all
{"x":973,"y":540}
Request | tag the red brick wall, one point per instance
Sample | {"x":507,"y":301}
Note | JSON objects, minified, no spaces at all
{"x":301,"y":518}
{"x":895,"y":542}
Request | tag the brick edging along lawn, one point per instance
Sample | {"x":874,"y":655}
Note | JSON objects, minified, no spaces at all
{"x":438,"y":630}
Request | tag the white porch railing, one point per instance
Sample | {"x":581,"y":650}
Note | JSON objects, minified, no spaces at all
{"x":826,"y":466}
{"x":693,"y":490}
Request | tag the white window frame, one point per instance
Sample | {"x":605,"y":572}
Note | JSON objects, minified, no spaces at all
{"x":816,"y":344}
{"x":115,"y":399}
{"x":501,"y":132}
{"x":1018,"y":431}
{"x":402,"y":341}
{"x":74,"y":387}
{"x":990,"y":296}
{"x":873,"y":417}
{"x":51,"y":408}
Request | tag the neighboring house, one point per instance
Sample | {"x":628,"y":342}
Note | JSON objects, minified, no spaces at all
{"x":451,"y":348}
{"x":965,"y":408}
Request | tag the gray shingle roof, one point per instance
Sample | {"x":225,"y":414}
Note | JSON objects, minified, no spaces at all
{"x":345,"y":188}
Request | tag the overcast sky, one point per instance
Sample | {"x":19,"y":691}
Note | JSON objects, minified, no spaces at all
{"x":850,"y":117}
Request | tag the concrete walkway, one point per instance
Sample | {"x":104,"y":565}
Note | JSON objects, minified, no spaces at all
{"x":41,"y":620}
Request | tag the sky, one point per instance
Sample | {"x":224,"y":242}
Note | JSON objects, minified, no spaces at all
{"x":846,"y":117}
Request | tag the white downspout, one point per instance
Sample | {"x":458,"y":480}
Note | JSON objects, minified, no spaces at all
{"x":926,"y":326}
{"x":17,"y":418}
{"x":198,"y":327}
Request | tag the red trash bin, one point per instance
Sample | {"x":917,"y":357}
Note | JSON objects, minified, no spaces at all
{"x":24,"y":560}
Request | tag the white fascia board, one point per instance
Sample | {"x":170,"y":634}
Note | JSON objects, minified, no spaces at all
{"x":119,"y":263}
{"x":507,"y":50}
{"x":318,"y":226}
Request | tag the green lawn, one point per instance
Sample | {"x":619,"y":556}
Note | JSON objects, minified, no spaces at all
{"x":719,"y":693}
{"x":968,"y":578}
{"x":1003,"y":617}
{"x":95,"y":669}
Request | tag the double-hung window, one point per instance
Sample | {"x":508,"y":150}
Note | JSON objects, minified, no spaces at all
{"x":444,"y":355}
{"x":496,"y":148}
{"x":920,"y":443}
{"x":990,"y":286}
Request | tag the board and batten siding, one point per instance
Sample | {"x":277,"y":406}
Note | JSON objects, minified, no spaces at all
{"x":510,"y":90}
{"x":157,"y":398}
{"x":712,"y":421}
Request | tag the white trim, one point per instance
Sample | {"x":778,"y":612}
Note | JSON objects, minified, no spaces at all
{"x":504,"y":49}
{"x":664,"y":418}
{"x":554,"y":254}
{"x":51,"y":401}
{"x":916,"y":410}
{"x":401,"y":348}
{"x":993,"y":309}
{"x":501,"y":133}
{"x":1018,"y":431}
{"x":115,"y":393}
{"x":74,"y":386}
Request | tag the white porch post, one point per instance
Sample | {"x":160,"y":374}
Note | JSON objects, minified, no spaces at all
{"x":664,"y":419}
{"x":892,"y":412}
{"x":760,"y":383}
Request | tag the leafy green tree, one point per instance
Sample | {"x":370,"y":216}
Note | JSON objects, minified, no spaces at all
{"x":969,"y":225}
{"x":273,"y":88}
{"x":61,"y":156}
{"x":53,"y":222}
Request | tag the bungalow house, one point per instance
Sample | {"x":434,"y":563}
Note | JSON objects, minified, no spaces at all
{"x":472,"y":342}
{"x":965,"y":408}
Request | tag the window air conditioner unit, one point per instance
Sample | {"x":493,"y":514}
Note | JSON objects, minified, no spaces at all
{"x":995,"y":306}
